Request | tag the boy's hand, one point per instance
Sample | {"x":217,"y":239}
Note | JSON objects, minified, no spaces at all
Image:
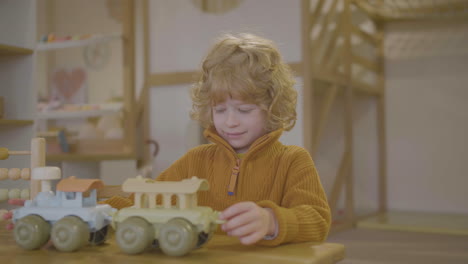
{"x":248,"y":221}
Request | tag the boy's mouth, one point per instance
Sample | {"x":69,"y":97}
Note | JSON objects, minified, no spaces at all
{"x":233,"y":135}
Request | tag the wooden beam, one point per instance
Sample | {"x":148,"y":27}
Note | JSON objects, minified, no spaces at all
{"x":364,"y":62}
{"x":330,"y":96}
{"x":348,"y":112}
{"x":189,"y":77}
{"x":365,"y":88}
{"x":330,"y":77}
{"x":306,"y":69}
{"x":145,"y":157}
{"x":340,"y":180}
{"x":311,"y":18}
{"x":373,"y":39}
{"x":128,"y":28}
{"x":317,"y":44}
{"x":172,"y":78}
{"x":332,"y":44}
{"x":381,"y":128}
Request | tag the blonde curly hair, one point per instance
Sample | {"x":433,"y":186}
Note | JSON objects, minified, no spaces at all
{"x":248,"y":68}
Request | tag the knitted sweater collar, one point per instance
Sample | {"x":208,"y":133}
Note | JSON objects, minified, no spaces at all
{"x":257,"y":146}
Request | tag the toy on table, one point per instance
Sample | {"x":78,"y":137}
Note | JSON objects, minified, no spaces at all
{"x":69,"y":217}
{"x":175,"y":229}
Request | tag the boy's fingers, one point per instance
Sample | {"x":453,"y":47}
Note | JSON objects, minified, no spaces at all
{"x":251,"y":239}
{"x":234,"y":210}
{"x":237,"y":221}
{"x":244,"y":230}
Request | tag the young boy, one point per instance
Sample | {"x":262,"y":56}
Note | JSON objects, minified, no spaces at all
{"x":268,"y":192}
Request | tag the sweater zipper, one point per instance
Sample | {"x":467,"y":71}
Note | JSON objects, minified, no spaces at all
{"x":233,"y":179}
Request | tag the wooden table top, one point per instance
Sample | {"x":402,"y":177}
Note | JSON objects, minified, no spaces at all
{"x":221,"y":249}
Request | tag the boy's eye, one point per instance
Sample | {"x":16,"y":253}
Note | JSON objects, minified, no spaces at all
{"x":245,"y":110}
{"x":219,"y":110}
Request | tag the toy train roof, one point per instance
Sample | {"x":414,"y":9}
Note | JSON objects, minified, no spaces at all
{"x":72,"y":184}
{"x":186,"y":186}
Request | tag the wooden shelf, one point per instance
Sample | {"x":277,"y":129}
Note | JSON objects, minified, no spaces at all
{"x":14,"y":122}
{"x":89,"y":157}
{"x":78,"y":43}
{"x":14,"y":50}
{"x":109,"y":110}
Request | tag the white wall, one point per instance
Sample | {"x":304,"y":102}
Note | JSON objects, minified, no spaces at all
{"x":427,"y":125}
{"x":181,"y":35}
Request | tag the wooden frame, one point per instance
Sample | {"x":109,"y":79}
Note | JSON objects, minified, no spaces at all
{"x":331,"y":57}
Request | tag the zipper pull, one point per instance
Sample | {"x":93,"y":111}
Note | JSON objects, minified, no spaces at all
{"x":233,"y":180}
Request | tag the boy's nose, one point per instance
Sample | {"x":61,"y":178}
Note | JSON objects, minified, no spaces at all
{"x":232,"y":120}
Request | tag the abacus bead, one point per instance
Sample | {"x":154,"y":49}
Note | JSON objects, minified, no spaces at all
{"x":25,"y":174}
{"x":3,"y":174}
{"x":3,"y":195}
{"x":14,"y":174}
{"x":24,"y":194}
{"x":14,"y":193}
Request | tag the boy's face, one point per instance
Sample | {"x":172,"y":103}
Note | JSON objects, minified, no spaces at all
{"x":239,"y":123}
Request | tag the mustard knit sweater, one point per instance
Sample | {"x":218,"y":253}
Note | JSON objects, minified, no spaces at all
{"x":271,"y":174}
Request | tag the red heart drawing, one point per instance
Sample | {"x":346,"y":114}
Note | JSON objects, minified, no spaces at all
{"x":68,"y":83}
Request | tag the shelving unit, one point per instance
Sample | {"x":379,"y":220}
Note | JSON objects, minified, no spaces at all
{"x":14,"y":50}
{"x":17,"y":27}
{"x":95,"y":39}
{"x":93,"y":157}
{"x":80,"y":114}
{"x":62,"y":53}
{"x":9,"y":122}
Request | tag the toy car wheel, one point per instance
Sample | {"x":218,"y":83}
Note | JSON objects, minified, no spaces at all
{"x":70,"y":234}
{"x":31,"y":232}
{"x":177,"y":237}
{"x":134,"y":235}
{"x":98,"y":237}
{"x":203,"y":237}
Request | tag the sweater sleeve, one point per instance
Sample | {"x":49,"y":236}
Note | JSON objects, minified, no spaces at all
{"x":304,"y":213}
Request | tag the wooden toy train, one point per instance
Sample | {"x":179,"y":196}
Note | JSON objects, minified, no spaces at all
{"x":72,"y":218}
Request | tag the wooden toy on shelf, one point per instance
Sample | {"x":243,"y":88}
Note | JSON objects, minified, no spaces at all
{"x":175,"y":229}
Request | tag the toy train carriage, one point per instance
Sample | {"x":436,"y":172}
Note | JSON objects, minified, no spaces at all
{"x":71,"y":217}
{"x":177,"y":229}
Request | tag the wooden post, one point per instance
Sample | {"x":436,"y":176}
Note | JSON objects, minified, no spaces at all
{"x":38,"y":159}
{"x":129,"y":74}
{"x":330,"y":96}
{"x":307,"y":91}
{"x":381,"y":128}
{"x":348,"y":112}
